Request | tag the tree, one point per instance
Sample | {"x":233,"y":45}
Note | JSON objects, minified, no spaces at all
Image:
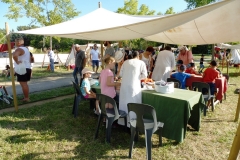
{"x":198,"y":3}
{"x":131,"y":8}
{"x":38,"y":11}
{"x":170,"y":11}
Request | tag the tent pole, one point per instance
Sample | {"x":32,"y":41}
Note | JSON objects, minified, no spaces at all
{"x":238,"y":109}
{"x":11,"y":68}
{"x":102,"y":55}
{"x":235,"y":146}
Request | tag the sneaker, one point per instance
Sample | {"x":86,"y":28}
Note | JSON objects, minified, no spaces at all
{"x":6,"y":101}
{"x":96,"y":112}
{"x":10,"y":97}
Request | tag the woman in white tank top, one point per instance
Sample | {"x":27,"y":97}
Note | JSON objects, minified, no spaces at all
{"x":147,"y":58}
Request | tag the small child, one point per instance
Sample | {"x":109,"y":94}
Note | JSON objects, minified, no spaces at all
{"x":181,"y":76}
{"x":201,"y":63}
{"x":107,"y":81}
{"x":209,"y":76}
{"x":86,"y":87}
{"x":191,"y":69}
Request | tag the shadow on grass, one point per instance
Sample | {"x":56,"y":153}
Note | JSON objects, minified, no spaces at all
{"x":53,"y":123}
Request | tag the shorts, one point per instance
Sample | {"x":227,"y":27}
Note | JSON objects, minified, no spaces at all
{"x":26,"y":77}
{"x":212,"y":88}
{"x":86,"y":96}
{"x":95,"y":63}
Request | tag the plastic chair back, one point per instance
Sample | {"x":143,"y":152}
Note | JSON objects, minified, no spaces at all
{"x":141,"y":111}
{"x":177,"y":83}
{"x":106,"y":100}
{"x":200,"y":86}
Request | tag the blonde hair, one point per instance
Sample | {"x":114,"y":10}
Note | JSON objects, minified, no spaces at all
{"x":108,"y":60}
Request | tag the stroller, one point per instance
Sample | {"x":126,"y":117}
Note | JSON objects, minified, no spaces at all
{"x":4,"y":97}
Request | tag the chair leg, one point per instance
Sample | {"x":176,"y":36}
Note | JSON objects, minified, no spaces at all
{"x":109,"y":129}
{"x":125,"y":124}
{"x":205,"y":108}
{"x":78,"y":98}
{"x":212,"y":103}
{"x":160,"y":136}
{"x":133,"y":132}
{"x":98,"y":124}
{"x":148,"y":141}
{"x":74,"y":104}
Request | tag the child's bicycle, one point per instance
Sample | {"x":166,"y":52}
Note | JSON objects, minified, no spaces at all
{"x":3,"y":97}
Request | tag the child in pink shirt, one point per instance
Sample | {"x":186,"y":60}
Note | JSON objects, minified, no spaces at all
{"x":106,"y":79}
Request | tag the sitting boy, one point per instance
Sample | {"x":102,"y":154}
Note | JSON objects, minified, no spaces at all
{"x":209,"y":76}
{"x":191,"y":69}
{"x":181,"y":76}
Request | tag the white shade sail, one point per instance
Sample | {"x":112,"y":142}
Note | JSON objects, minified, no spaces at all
{"x":190,"y":27}
{"x":219,"y":25}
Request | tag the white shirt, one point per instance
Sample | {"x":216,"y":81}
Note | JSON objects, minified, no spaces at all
{"x":132,"y":71}
{"x":164,"y":64}
{"x":25,"y":58}
{"x":95,"y":54}
{"x":51,"y":54}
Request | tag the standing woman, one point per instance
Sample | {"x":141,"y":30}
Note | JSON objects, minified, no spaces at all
{"x":185,"y":55}
{"x":132,"y":71}
{"x":146,"y":57}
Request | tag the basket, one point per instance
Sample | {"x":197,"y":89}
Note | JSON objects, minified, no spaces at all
{"x":168,"y":88}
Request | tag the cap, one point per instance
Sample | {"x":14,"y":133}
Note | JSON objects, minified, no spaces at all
{"x":86,"y":70}
{"x":77,"y":45}
{"x":119,"y":55}
{"x":179,"y":62}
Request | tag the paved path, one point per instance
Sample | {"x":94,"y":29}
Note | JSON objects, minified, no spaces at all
{"x":41,"y":84}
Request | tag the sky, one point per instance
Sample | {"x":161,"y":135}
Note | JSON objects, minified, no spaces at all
{"x":87,"y":6}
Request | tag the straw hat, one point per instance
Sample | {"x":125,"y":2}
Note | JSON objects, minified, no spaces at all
{"x":119,"y":55}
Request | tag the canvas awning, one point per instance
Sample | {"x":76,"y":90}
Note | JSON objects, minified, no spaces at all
{"x":103,"y":25}
{"x":219,"y":25}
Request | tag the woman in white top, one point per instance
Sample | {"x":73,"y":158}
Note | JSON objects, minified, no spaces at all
{"x":132,"y":71}
{"x":146,"y":57}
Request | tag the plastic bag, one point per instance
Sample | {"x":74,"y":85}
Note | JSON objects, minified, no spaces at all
{"x":20,"y":69}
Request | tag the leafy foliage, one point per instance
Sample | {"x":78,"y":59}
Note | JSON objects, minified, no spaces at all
{"x":198,"y":3}
{"x":39,"y":12}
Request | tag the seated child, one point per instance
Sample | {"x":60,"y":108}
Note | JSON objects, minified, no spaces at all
{"x":107,"y":81}
{"x":85,"y":86}
{"x":6,"y":72}
{"x":181,"y":76}
{"x":191,"y":69}
{"x":209,"y":76}
{"x":179,"y":63}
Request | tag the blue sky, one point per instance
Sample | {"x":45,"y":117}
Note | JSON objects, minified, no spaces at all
{"x":87,"y":6}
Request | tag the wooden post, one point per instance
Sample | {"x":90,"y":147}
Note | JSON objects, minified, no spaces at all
{"x":227,"y":66}
{"x":11,"y":68}
{"x":238,"y":109}
{"x":235,"y":146}
{"x":102,"y":55}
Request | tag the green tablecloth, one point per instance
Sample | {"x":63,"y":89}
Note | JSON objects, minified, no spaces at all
{"x":175,"y":110}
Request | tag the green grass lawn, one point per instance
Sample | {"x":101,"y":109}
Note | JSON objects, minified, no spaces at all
{"x":49,"y":131}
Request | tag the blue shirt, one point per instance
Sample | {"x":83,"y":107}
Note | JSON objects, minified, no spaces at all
{"x":85,"y":83}
{"x":182,"y":77}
